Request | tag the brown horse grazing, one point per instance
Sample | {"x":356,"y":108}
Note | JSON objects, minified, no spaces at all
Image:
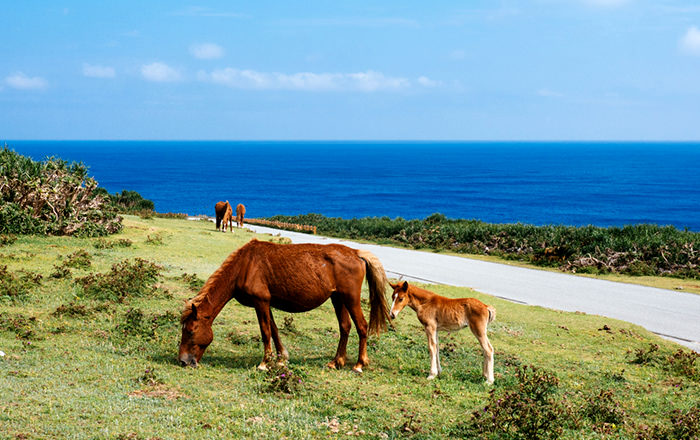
{"x":228,"y":218}
{"x":437,"y":312}
{"x":294,"y":278}
{"x":220,"y":210}
{"x":240,"y":213}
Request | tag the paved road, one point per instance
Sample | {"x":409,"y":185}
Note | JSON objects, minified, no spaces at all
{"x":671,"y":314}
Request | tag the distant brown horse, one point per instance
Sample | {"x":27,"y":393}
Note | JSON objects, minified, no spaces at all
{"x":240,"y":213}
{"x":294,"y":278}
{"x":228,"y":218}
{"x":437,"y":312}
{"x":220,"y":210}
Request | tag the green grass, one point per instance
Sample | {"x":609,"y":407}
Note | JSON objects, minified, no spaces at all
{"x":97,"y":370}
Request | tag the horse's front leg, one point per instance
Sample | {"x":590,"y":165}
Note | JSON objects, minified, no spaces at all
{"x":264,"y":320}
{"x":344,"y":325}
{"x":282,"y":353}
{"x":431,"y":333}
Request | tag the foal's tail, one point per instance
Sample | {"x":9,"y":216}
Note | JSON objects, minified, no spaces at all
{"x":492,"y":314}
{"x":376,"y":278}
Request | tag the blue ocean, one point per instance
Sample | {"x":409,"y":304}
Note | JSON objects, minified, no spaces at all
{"x":569,"y":183}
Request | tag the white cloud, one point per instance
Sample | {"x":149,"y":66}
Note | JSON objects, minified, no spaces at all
{"x":206,"y":51}
{"x":21,"y":81}
{"x":427,"y":82}
{"x":369,"y":81}
{"x":690,"y":43}
{"x":96,"y":71}
{"x":160,"y":72}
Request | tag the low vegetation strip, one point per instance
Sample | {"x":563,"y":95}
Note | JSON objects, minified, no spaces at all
{"x":282,"y":225}
{"x":95,"y":356}
{"x":632,"y":250}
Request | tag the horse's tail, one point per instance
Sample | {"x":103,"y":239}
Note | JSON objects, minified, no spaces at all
{"x":492,"y":314}
{"x":376,"y":278}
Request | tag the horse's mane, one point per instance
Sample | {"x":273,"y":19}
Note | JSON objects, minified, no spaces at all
{"x":221,"y":276}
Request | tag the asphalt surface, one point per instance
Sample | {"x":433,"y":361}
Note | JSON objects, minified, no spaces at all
{"x":671,"y":314}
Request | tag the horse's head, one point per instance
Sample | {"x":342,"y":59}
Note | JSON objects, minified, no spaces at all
{"x":399,"y":298}
{"x":196,"y":332}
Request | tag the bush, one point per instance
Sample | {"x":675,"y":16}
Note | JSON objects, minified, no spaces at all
{"x":22,"y":327}
{"x":526,"y":410}
{"x":17,"y":286}
{"x":51,"y":197}
{"x":125,"y":279}
{"x":194,"y":283}
{"x":79,"y":259}
{"x":604,"y":410}
{"x":634,"y":250}
{"x":129,"y":202}
{"x":136,"y":324}
{"x":279,"y":378}
{"x":6,"y":240}
{"x":101,"y":243}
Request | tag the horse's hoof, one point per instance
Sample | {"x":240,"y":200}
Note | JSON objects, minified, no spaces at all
{"x":357,"y":370}
{"x":262,"y":367}
{"x":332,"y":365}
{"x":432,"y":376}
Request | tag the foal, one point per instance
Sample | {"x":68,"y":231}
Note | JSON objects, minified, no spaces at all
{"x":436,"y":312}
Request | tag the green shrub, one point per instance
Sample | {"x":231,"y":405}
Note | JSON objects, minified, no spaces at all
{"x":135,"y":323}
{"x":51,"y":197}
{"x":526,"y":410}
{"x":101,"y":243}
{"x":17,"y":286}
{"x":194,"y":283}
{"x":79,"y":259}
{"x":604,"y":410}
{"x":21,"y":326}
{"x":125,"y":279}
{"x":8,"y":239}
{"x":279,"y":378}
{"x":635,"y":250}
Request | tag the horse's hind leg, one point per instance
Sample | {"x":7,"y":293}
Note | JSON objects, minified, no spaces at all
{"x":358,"y":319}
{"x":344,"y":325}
{"x":264,"y":319}
{"x":479,"y":330}
{"x":282,"y":353}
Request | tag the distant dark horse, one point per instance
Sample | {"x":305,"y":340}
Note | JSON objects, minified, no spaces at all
{"x":240,"y":213}
{"x":294,"y":278}
{"x":220,"y":210}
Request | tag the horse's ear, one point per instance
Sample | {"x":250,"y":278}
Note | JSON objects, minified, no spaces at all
{"x":194,"y":312}
{"x":404,"y":286}
{"x":393,"y":286}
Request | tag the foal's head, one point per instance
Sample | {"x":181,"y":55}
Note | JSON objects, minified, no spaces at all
{"x":196,"y":333}
{"x":399,"y":298}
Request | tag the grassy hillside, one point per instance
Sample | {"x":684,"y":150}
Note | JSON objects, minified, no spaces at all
{"x":90,"y":336}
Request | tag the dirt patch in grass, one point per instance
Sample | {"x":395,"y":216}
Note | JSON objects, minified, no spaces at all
{"x":158,"y":391}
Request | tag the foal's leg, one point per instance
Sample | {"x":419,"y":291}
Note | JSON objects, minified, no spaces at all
{"x":344,"y":325}
{"x":437,"y":351}
{"x":282,"y":353}
{"x":264,"y":319}
{"x":479,"y":330}
{"x":431,"y":333}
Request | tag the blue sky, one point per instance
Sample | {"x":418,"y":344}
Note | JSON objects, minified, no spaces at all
{"x":444,"y":70}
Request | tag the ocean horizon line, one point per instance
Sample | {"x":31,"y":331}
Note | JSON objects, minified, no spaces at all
{"x":440,"y":141}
